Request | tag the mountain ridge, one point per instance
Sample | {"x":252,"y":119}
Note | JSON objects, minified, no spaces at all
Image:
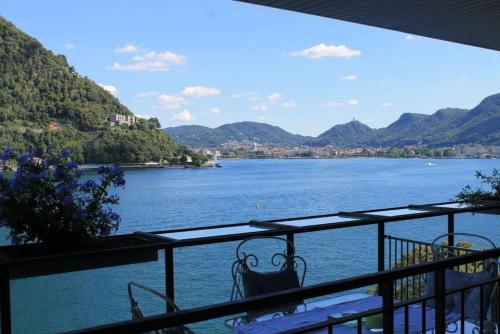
{"x":445,"y":127}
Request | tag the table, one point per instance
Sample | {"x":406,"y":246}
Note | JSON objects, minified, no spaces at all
{"x":316,"y":312}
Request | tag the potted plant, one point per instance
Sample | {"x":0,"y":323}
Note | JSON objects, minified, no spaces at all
{"x":46,"y":202}
{"x":480,"y":196}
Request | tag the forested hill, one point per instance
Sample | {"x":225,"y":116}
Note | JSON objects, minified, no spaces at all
{"x":202,"y":136}
{"x":444,"y":128}
{"x":45,"y":104}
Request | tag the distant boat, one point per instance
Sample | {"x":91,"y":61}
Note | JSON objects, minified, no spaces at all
{"x":430,"y":164}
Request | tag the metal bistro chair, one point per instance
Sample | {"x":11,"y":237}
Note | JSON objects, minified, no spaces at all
{"x":138,"y":314}
{"x":463,"y":276}
{"x":288,"y":272}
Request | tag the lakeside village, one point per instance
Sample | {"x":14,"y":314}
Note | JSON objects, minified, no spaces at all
{"x":251,"y":149}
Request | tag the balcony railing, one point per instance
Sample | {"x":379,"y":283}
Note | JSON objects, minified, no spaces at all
{"x":389,"y":252}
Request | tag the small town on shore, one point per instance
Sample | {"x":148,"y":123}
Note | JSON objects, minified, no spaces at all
{"x":251,"y":149}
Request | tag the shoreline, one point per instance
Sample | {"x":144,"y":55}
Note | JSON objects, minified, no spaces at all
{"x":217,"y":165}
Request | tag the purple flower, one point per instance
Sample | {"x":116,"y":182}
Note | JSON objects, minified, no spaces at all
{"x":114,"y":198}
{"x":25,"y":158}
{"x":118,"y":176}
{"x":7,"y":153}
{"x":12,"y":183}
{"x":89,"y":185}
{"x":65,"y":153}
{"x":101,"y":170}
{"x":71,"y":165}
{"x":67,"y":201}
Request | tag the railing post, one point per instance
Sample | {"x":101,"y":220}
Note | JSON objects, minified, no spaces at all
{"x":451,"y":229}
{"x":290,"y":245}
{"x":387,"y":292}
{"x":5,"y":301}
{"x":169,"y":276}
{"x":440,"y":289}
{"x":381,"y":250}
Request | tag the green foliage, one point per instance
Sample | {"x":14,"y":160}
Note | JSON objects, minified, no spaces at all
{"x":444,"y":128}
{"x":492,"y":182}
{"x":45,"y":105}
{"x":202,"y":136}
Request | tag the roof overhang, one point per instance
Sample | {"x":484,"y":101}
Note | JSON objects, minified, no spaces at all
{"x":471,"y":22}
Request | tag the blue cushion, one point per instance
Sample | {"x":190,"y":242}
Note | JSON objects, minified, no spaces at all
{"x":473,"y":297}
{"x":453,"y":280}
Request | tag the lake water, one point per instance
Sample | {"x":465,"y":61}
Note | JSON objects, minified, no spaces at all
{"x":243,"y":190}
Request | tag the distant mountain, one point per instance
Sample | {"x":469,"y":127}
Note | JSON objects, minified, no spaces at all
{"x":350,"y":134}
{"x":264,"y":134}
{"x":446,"y":127}
{"x":45,"y":104}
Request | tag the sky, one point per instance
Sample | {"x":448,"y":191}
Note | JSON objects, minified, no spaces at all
{"x":220,"y":61}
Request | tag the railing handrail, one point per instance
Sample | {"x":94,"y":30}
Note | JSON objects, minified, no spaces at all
{"x":162,"y":243}
{"x":279,"y":298}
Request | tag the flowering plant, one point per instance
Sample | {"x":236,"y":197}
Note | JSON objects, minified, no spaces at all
{"x":46,"y":202}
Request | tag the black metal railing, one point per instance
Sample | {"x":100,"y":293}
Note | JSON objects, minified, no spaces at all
{"x":441,"y":321}
{"x":403,"y":252}
{"x":10,"y":265}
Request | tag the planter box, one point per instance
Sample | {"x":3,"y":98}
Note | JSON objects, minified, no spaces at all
{"x":38,"y":260}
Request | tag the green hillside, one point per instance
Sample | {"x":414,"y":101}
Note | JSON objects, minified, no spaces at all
{"x":202,"y":136}
{"x":445,"y":128}
{"x":45,"y":104}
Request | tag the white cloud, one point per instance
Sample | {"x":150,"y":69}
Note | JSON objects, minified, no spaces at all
{"x":110,"y":89}
{"x":146,"y":94}
{"x":147,"y":66}
{"x":289,"y":104}
{"x":323,"y":50}
{"x":275,"y":97}
{"x":151,"y":61}
{"x":335,"y":104}
{"x":260,"y":107}
{"x":263,"y":119}
{"x":166,"y":56}
{"x":127,"y":48}
{"x":350,"y":77}
{"x":200,"y":91}
{"x":214,"y":111}
{"x":69,"y":46}
{"x":171,"y":101}
{"x":387,"y":104}
{"x":249,"y":95}
{"x":184,"y":116}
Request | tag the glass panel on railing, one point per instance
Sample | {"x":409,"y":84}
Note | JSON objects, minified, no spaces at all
{"x":315,"y":221}
{"x":212,"y":232}
{"x":396,"y":212}
{"x":451,"y":206}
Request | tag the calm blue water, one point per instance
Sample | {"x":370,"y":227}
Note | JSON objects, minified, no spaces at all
{"x":171,"y":198}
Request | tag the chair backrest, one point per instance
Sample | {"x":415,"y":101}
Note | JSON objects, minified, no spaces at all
{"x":465,"y":275}
{"x":288,"y":269}
{"x":137,"y":312}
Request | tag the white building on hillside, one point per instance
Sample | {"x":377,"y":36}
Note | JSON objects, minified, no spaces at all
{"x":118,"y":119}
